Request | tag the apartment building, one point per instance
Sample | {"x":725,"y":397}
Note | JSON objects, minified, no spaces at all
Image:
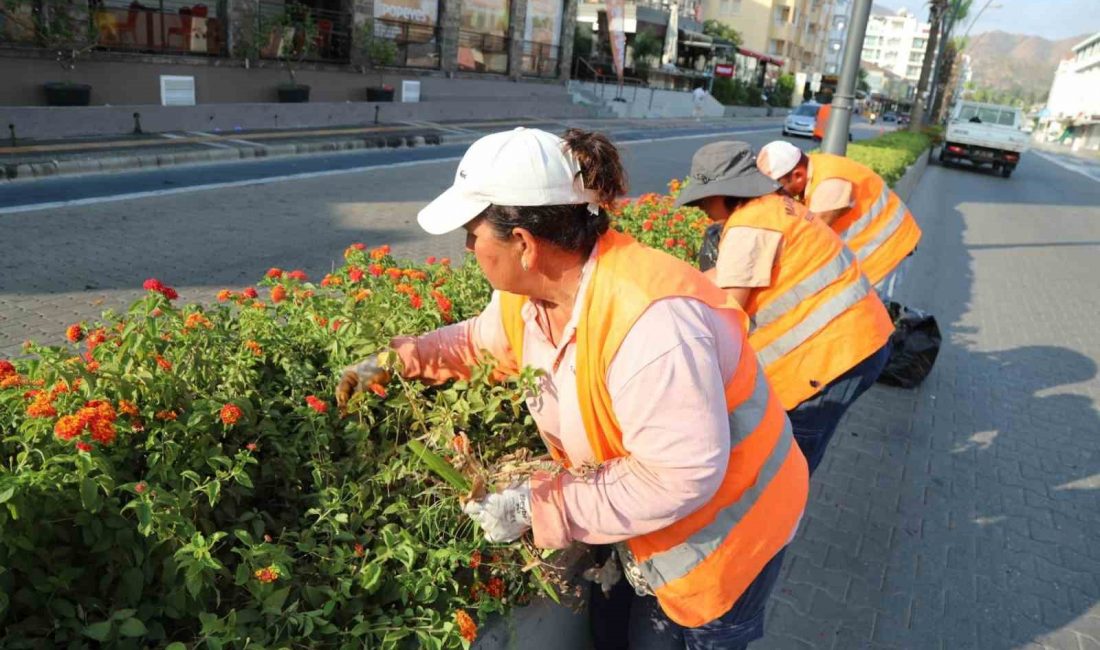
{"x":838,"y":32}
{"x":795,"y":31}
{"x":896,"y":41}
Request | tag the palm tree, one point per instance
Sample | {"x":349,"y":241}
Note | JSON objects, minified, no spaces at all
{"x":646,"y":46}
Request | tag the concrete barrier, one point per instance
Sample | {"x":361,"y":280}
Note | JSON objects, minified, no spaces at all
{"x":909,"y":181}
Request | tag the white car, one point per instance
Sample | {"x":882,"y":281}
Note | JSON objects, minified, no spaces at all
{"x":801,"y":120}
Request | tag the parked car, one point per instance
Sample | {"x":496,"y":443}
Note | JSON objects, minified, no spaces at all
{"x":890,"y":116}
{"x":984,"y":134}
{"x":903,"y":119}
{"x":801,"y":120}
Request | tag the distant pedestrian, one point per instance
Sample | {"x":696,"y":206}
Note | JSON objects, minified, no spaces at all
{"x":697,"y":97}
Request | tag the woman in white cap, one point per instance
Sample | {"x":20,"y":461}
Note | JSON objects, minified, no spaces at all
{"x":648,"y":384}
{"x":817,"y":326}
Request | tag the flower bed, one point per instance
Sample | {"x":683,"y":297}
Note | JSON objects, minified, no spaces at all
{"x":891,"y":154}
{"x":179,"y":474}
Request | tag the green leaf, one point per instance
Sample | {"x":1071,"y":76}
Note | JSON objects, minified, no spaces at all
{"x":98,"y":631}
{"x":89,"y":494}
{"x":7,"y":494}
{"x":133,"y":581}
{"x":244,"y":479}
{"x":123,"y":614}
{"x":274,"y":601}
{"x":370,"y":577}
{"x":441,"y":467}
{"x":175,"y":645}
{"x":132,"y":627}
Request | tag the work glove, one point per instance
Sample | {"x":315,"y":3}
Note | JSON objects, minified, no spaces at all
{"x":606,"y":575}
{"x":503,"y":516}
{"x":359,"y":377}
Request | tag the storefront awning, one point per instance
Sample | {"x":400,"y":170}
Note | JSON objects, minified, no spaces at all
{"x":689,"y":38}
{"x":763,"y":57}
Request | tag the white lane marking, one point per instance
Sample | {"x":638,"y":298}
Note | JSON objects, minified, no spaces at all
{"x":31,"y":207}
{"x":216,"y":145}
{"x":1080,"y":169}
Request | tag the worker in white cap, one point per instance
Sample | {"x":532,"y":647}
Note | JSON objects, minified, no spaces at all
{"x":877,"y":227}
{"x":646,"y":381}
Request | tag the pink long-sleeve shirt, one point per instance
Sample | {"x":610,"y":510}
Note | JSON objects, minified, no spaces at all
{"x":667,"y":385}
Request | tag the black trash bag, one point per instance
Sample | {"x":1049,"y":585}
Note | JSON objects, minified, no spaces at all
{"x":708,"y":252}
{"x":913,"y":347}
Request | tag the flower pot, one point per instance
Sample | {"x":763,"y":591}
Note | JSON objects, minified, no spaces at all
{"x":296,"y":94}
{"x":376,"y":94}
{"x":64,"y":93}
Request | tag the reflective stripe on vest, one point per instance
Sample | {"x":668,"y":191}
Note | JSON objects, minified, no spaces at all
{"x":859,"y":225}
{"x":818,"y":319}
{"x":889,"y":229}
{"x":676,"y":562}
{"x":793,"y":297}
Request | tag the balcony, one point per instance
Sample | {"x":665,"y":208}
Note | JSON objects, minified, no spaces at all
{"x":783,"y":32}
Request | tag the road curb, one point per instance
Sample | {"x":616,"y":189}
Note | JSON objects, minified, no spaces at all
{"x":77,"y":166}
{"x":911,"y":178}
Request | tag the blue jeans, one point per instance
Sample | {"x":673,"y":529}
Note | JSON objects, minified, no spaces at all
{"x":628,"y":621}
{"x":814,"y":421}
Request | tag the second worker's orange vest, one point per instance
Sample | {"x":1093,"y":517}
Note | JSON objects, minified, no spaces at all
{"x":819,"y":317}
{"x":879,"y":229}
{"x":700,"y":565}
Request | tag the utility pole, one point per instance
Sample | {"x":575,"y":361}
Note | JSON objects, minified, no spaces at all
{"x":840,"y":117}
{"x":916,"y":116}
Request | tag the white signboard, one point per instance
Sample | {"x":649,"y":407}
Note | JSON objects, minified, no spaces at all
{"x":410,"y":91}
{"x":425,"y":12}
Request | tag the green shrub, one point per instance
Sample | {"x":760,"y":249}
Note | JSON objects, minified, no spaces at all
{"x":179,"y":476}
{"x":891,"y":154}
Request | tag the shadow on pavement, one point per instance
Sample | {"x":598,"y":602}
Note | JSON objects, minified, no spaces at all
{"x":965,"y":513}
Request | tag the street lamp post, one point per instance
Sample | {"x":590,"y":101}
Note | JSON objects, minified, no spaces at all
{"x":840,"y":118}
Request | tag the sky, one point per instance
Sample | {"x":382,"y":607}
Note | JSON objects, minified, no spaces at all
{"x":1053,"y":19}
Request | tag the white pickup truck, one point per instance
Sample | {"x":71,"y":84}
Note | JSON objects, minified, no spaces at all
{"x":985,"y":134}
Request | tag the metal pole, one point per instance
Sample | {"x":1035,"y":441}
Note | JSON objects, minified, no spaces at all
{"x":840,"y":118}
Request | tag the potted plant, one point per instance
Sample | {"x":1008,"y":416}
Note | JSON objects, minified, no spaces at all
{"x":289,"y":37}
{"x":63,"y":27}
{"x":378,"y":51}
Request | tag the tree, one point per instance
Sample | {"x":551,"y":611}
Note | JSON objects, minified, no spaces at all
{"x":721,"y":30}
{"x":62,"y":26}
{"x":783,"y":92}
{"x":647,"y":46}
{"x":862,"y":85}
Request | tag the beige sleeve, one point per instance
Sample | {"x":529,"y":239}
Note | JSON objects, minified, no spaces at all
{"x":746,"y":257}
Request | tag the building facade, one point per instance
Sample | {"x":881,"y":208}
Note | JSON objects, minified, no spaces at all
{"x":794,"y":31}
{"x":838,"y":32}
{"x":1072,"y":114}
{"x":238,"y":48}
{"x":896,"y":42}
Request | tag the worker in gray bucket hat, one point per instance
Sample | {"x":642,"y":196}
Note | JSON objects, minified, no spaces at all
{"x":819,"y":329}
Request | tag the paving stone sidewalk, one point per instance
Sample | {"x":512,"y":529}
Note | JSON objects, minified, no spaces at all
{"x":966,"y":514}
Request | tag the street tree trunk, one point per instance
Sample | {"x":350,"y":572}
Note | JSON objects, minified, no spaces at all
{"x":916,"y":116}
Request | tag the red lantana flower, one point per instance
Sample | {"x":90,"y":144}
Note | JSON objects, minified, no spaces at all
{"x":278,"y":293}
{"x":230,"y":414}
{"x":274,"y":273}
{"x":74,"y":333}
{"x":250,"y":293}
{"x":316,"y":404}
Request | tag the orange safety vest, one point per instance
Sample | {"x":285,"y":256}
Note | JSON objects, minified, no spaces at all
{"x":700,"y":565}
{"x":819,"y":317}
{"x":822,"y":120}
{"x":879,"y":229}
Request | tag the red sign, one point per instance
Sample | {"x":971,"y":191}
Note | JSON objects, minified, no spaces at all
{"x":723,"y":70}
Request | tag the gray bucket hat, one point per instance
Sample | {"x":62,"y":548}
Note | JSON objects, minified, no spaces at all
{"x":725,"y":169}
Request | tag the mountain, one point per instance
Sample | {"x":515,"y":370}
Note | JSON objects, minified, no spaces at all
{"x":1017,"y":63}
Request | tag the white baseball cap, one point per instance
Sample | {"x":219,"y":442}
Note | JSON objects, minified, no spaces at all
{"x":523,"y":167}
{"x":777,"y":159}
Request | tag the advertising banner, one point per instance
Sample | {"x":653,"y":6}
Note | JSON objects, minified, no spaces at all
{"x":616,"y":28}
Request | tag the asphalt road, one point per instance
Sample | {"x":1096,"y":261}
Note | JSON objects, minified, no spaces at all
{"x":963,"y":514}
{"x":76,"y":245}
